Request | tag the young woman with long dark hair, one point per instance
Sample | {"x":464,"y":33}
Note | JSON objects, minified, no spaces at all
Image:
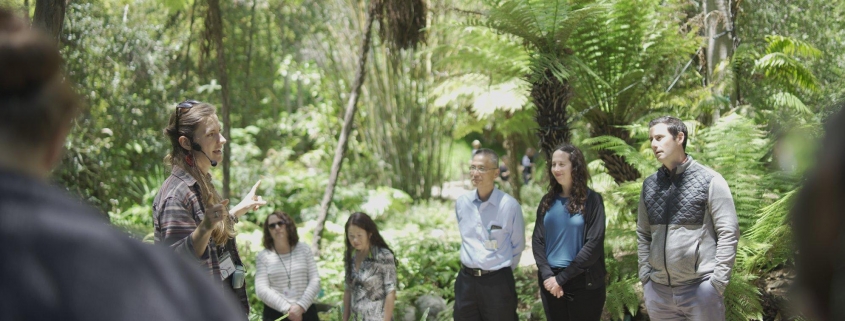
{"x":370,"y":272}
{"x":568,"y":241}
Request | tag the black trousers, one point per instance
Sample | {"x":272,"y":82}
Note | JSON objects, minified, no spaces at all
{"x":490,"y":297}
{"x":578,"y":303}
{"x":271,"y":314}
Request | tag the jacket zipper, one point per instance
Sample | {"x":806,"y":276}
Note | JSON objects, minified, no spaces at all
{"x":666,"y":236}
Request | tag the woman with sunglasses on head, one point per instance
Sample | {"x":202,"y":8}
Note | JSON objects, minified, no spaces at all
{"x":286,"y":277}
{"x":370,"y":267}
{"x":188,"y":213}
{"x":568,"y":241}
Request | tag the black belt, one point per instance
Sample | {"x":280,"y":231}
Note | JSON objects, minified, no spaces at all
{"x":476,"y":272}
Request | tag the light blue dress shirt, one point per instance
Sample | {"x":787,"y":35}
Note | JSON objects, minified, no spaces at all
{"x":476,"y":221}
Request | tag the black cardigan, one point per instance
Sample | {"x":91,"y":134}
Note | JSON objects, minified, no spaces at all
{"x":590,"y":258}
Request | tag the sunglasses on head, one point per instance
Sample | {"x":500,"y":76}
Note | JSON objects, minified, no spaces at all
{"x":187,"y":104}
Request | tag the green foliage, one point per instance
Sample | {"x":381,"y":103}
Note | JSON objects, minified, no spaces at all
{"x":641,"y":161}
{"x":625,"y":298}
{"x":742,"y":298}
{"x":630,"y":53}
{"x":735,"y":147}
{"x":772,"y":236}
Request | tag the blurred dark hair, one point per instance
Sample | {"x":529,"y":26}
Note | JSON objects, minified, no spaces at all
{"x":819,"y":225}
{"x":35,"y":100}
{"x":580,"y":176}
{"x":290,"y":227}
{"x":674,"y":125}
{"x":364,"y":222}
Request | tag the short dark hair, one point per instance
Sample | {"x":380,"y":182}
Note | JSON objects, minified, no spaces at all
{"x":674,"y":125}
{"x":490,"y":154}
{"x":290,"y":227}
{"x":34,"y":97}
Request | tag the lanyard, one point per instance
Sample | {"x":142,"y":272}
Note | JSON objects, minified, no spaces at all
{"x":287,"y":270}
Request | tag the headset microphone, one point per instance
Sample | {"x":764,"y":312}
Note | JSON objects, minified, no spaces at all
{"x":197,"y":147}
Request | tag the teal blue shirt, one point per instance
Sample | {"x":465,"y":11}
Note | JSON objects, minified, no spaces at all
{"x":564,"y":234}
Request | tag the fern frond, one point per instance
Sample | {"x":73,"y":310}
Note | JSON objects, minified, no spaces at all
{"x":742,"y":298}
{"x":786,"y":69}
{"x":790,"y":101}
{"x":620,"y":147}
{"x":791,"y":47}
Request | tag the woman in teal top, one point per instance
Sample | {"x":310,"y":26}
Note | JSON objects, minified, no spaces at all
{"x":568,"y":241}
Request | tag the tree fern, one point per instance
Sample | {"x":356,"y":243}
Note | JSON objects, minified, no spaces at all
{"x":734,"y":147}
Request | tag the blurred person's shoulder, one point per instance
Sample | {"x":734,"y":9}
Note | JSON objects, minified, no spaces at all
{"x":62,"y":260}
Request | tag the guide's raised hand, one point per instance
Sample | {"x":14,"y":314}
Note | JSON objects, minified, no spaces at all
{"x":251,"y":201}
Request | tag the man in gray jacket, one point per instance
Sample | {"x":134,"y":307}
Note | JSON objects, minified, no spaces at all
{"x":687,"y":231}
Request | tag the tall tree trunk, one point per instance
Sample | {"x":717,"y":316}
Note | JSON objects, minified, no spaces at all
{"x":217,"y":33}
{"x":344,"y":133}
{"x":551,"y":98}
{"x":718,"y":24}
{"x":50,"y":16}
{"x":617,"y":167}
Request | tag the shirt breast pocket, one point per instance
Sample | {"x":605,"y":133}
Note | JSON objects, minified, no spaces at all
{"x":497,"y":233}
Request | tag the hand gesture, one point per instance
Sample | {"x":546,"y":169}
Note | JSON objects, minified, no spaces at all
{"x":249,"y":202}
{"x":214,"y":215}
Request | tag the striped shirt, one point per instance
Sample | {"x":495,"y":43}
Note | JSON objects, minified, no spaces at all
{"x":295,"y":272}
{"x":177,"y":211}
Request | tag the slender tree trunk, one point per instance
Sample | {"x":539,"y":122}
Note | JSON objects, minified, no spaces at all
{"x":551,"y":98}
{"x":217,"y":33}
{"x":718,"y":24}
{"x":50,"y":16}
{"x":344,"y":134}
{"x":512,"y":155}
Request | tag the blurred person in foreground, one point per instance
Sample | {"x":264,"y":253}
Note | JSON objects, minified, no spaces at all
{"x":61,"y":260}
{"x":819,"y":226}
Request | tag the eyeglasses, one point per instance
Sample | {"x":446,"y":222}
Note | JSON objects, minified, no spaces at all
{"x":480,"y":169}
{"x":187,"y":104}
{"x":273,"y":226}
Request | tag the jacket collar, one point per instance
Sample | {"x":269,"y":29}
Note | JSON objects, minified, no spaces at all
{"x":678,"y":170}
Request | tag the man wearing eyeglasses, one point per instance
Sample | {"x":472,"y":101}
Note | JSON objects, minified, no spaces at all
{"x":492,"y":239}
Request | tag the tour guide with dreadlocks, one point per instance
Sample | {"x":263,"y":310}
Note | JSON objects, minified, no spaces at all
{"x":188,"y":213}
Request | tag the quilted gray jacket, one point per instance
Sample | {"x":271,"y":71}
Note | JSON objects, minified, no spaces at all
{"x":687,"y":229}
